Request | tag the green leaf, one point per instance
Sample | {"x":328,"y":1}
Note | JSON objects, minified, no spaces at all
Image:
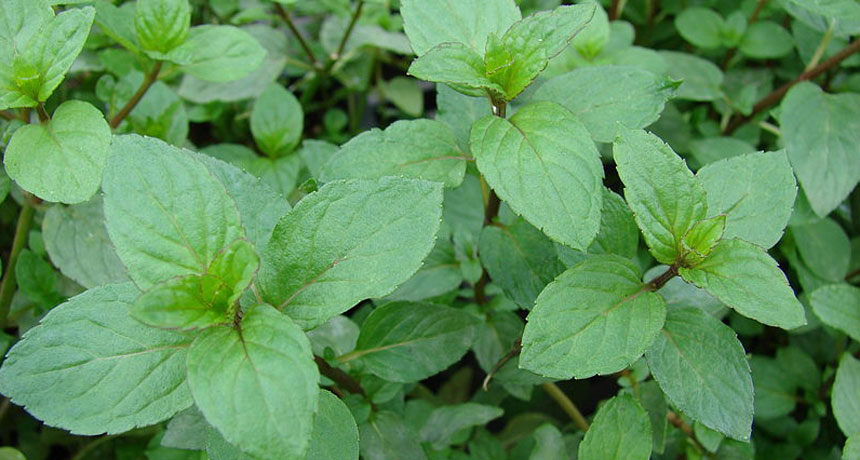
{"x":118,"y":23}
{"x":821,"y":133}
{"x":406,"y":94}
{"x":20,"y":22}
{"x":766,"y":40}
{"x":63,"y":159}
{"x":702,"y":368}
{"x":775,"y":395}
{"x":609,"y":99}
{"x":852,"y":448}
{"x":544,"y":165}
{"x":90,"y":368}
{"x":702,"y":79}
{"x":362,"y":35}
{"x":838,"y":306}
{"x":459,"y":66}
{"x":460,"y":112}
{"x":519,"y":259}
{"x":162,"y":25}
{"x":277,"y":174}
{"x":592,"y":40}
{"x":385,"y":436}
{"x":745,"y":278}
{"x":620,"y":431}
{"x":166,"y":214}
{"x":664,"y":195}
{"x":423,"y":149}
{"x":618,"y":233}
{"x":444,"y":422}
{"x":187,"y":430}
{"x":594,"y":319}
{"x":431,"y":22}
{"x":533,"y":41}
{"x":756,"y":211}
{"x":257,"y":383}
{"x":349,"y":241}
{"x":700,"y":239}
{"x":825,"y":249}
{"x":408,"y":342}
{"x":844,"y":14}
{"x":10,"y":453}
{"x":846,"y":395}
{"x":703,"y":27}
{"x":335,"y":434}
{"x":219,"y":53}
{"x":78,"y":243}
{"x":37,"y":280}
{"x":277,"y":121}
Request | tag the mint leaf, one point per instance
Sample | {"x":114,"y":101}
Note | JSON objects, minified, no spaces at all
{"x":219,"y":53}
{"x":852,"y":448}
{"x":838,"y":306}
{"x":349,"y":241}
{"x":335,"y":434}
{"x":620,"y":431}
{"x":824,"y":248}
{"x":162,"y":25}
{"x":460,"y":112}
{"x":664,"y":195}
{"x":701,"y":366}
{"x":385,"y":436}
{"x":90,"y":368}
{"x":408,"y":342}
{"x":846,"y":395}
{"x":756,"y":211}
{"x":701,"y":79}
{"x":20,"y":22}
{"x":431,"y":22}
{"x":423,"y":149}
{"x":166,"y":214}
{"x":277,"y":121}
{"x":63,"y":159}
{"x":609,"y":99}
{"x":745,"y":278}
{"x":618,"y":233}
{"x":596,"y":318}
{"x":543,"y":163}
{"x":257,"y":383}
{"x":700,"y":239}
{"x":821,"y":134}
{"x":117,"y":22}
{"x":459,"y":66}
{"x":444,"y":422}
{"x":766,"y":40}
{"x":703,"y":27}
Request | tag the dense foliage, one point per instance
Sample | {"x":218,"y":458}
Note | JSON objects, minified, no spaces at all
{"x":430,"y":229}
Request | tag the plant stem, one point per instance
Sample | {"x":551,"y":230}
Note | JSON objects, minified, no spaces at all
{"x":43,"y":114}
{"x":515,"y":350}
{"x":757,"y":12}
{"x":286,"y":17}
{"x":7,"y":286}
{"x":776,"y":96}
{"x":753,"y":18}
{"x":679,"y":423}
{"x":7,"y":116}
{"x":566,"y":404}
{"x":148,"y":81}
{"x":492,"y":204}
{"x":822,"y":47}
{"x":349,"y":29}
{"x":89,"y":448}
{"x":660,"y":281}
{"x":344,"y":380}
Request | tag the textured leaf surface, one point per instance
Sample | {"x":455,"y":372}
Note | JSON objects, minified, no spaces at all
{"x":219,"y":53}
{"x":257,"y":384}
{"x":620,"y":431}
{"x":385,"y":436}
{"x":846,"y":395}
{"x":423,"y":149}
{"x":431,"y":22}
{"x":596,"y":318}
{"x":701,"y":79}
{"x":745,"y":278}
{"x":664,"y":195}
{"x":543,"y":163}
{"x":408,"y":342}
{"x":821,"y":133}
{"x":701,"y":366}
{"x":756,"y":210}
{"x":703,"y":27}
{"x":838,"y":306}
{"x":166,"y":213}
{"x":459,"y":66}
{"x":335,"y":433}
{"x":444,"y":422}
{"x":824,"y":248}
{"x":162,"y":25}
{"x":349,"y":241}
{"x":62,"y":160}
{"x":609,"y":99}
{"x":277,"y":121}
{"x":90,"y":368}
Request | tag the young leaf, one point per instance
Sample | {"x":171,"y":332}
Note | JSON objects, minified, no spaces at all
{"x":257,"y":383}
{"x":408,"y":342}
{"x":703,"y":27}
{"x":460,"y":112}
{"x":444,"y":422}
{"x":745,"y":278}
{"x":423,"y":149}
{"x":701,"y":366}
{"x":620,"y":431}
{"x":20,"y":21}
{"x":609,"y":99}
{"x":429,"y":23}
{"x":189,"y":302}
{"x":90,"y":368}
{"x":459,"y":66}
{"x":63,"y":159}
{"x":117,"y":22}
{"x":166,"y":214}
{"x":277,"y":121}
{"x":824,"y":248}
{"x":618,"y":233}
{"x":756,"y":210}
{"x":846,"y":395}
{"x":766,"y":40}
{"x":838,"y":306}
{"x":701,"y":79}
{"x":219,"y":53}
{"x":385,"y":436}
{"x":349,"y":241}
{"x":821,"y":134}
{"x":664,"y":195}
{"x":596,"y":318}
{"x":162,"y":25}
{"x":700,"y":239}
{"x":543,"y":163}
{"x":335,"y":433}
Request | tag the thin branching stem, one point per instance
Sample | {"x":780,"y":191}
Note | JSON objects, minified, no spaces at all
{"x":295,"y":30}
{"x":19,"y":242}
{"x":566,"y":404}
{"x":148,"y":81}
{"x":349,"y":30}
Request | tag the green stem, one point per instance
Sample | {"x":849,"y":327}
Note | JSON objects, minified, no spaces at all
{"x":7,"y":286}
{"x":43,"y":114}
{"x":349,"y":29}
{"x":344,"y":380}
{"x":679,"y":423}
{"x":148,"y":81}
{"x":89,"y":448}
{"x":566,"y":404}
{"x":822,"y":47}
{"x":492,"y":204}
{"x":7,"y":116}
{"x":660,"y":281}
{"x":295,"y":30}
